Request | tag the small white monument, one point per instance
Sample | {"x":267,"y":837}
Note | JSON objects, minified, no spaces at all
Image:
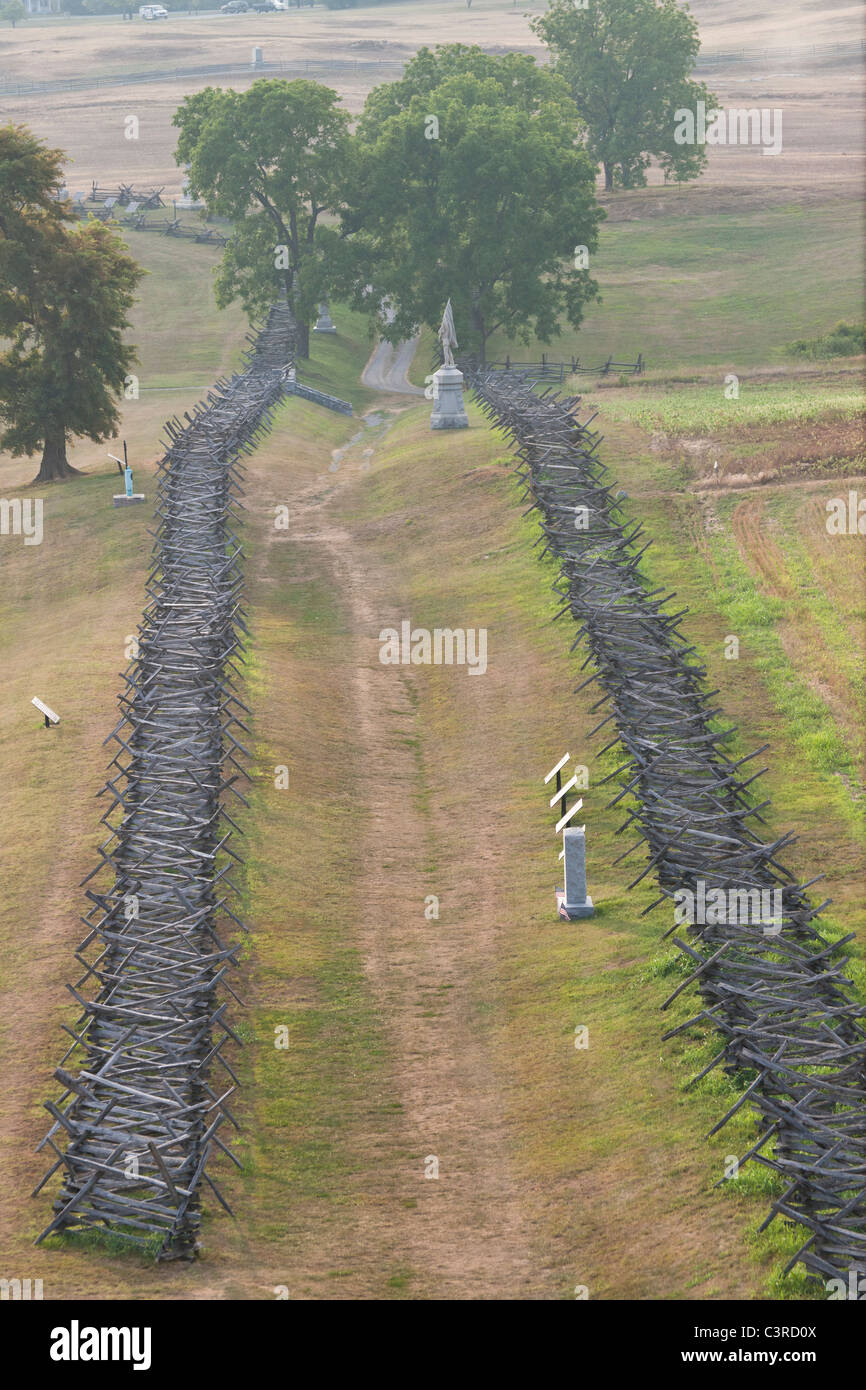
{"x":575,"y":901}
{"x":186,"y":200}
{"x":324,"y":323}
{"x":448,"y":412}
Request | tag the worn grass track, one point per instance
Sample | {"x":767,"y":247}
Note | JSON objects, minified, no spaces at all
{"x":410,"y":1037}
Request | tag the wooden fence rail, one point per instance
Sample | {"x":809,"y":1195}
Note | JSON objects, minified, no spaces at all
{"x":545,"y":370}
{"x":792,"y":1036}
{"x":138,"y":1119}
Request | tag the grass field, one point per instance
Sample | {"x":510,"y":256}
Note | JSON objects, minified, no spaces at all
{"x":410,"y":1037}
{"x":453,"y":1035}
{"x":380,"y":812}
{"x":760,"y":402}
{"x":692,"y":291}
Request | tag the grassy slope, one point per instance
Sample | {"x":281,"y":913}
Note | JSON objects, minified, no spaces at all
{"x":321,"y":1120}
{"x":575,"y":1120}
{"x":721,"y":289}
{"x":576,"y":1134}
{"x":764,"y":689}
{"x":323,"y":1144}
{"x":706,"y":291}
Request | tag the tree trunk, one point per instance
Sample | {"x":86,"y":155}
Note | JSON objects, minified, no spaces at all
{"x":55,"y":464}
{"x":476,"y":318}
{"x":608,"y":177}
{"x":301,"y":329}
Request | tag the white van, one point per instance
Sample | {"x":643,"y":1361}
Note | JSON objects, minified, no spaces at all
{"x":153,"y":12}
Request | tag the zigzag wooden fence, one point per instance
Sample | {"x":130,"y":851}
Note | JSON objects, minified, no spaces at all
{"x":130,"y":206}
{"x":545,"y":370}
{"x":775,"y":990}
{"x":141,"y":1114}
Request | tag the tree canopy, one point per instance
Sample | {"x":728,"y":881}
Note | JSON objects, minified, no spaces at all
{"x":274,"y":160}
{"x":469,"y":182}
{"x":65,"y":292}
{"x":13,"y":11}
{"x":628,"y":66}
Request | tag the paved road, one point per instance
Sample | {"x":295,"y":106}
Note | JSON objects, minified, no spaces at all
{"x":387,"y":368}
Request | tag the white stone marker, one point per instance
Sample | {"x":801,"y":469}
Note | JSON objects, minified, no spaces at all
{"x":577,"y":902}
{"x":324,"y":323}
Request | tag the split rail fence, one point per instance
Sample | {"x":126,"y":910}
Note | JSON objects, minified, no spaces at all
{"x":791,"y":1034}
{"x":129,"y":206}
{"x":546,"y":370}
{"x":141,"y":1113}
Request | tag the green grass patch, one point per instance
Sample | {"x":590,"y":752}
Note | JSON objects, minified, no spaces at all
{"x":705,"y":409}
{"x":712,"y":288}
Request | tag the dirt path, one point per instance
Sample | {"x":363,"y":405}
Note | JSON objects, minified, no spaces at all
{"x":506,"y":1217}
{"x":471,"y":1238}
{"x":465,"y":1234}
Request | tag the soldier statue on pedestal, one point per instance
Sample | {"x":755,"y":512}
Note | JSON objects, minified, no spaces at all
{"x":448,"y":411}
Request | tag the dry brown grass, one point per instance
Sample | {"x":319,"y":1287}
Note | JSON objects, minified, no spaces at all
{"x":822,"y":99}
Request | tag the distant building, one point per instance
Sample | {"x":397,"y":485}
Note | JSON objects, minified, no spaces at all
{"x":42,"y":6}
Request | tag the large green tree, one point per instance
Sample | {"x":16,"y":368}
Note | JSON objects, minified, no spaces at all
{"x":12,"y":11}
{"x":273,"y":159}
{"x":469,"y":182}
{"x":65,"y":291}
{"x":628,"y":66}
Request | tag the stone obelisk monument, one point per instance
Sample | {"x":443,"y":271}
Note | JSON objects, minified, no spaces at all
{"x":324,"y":323}
{"x":448,"y":410}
